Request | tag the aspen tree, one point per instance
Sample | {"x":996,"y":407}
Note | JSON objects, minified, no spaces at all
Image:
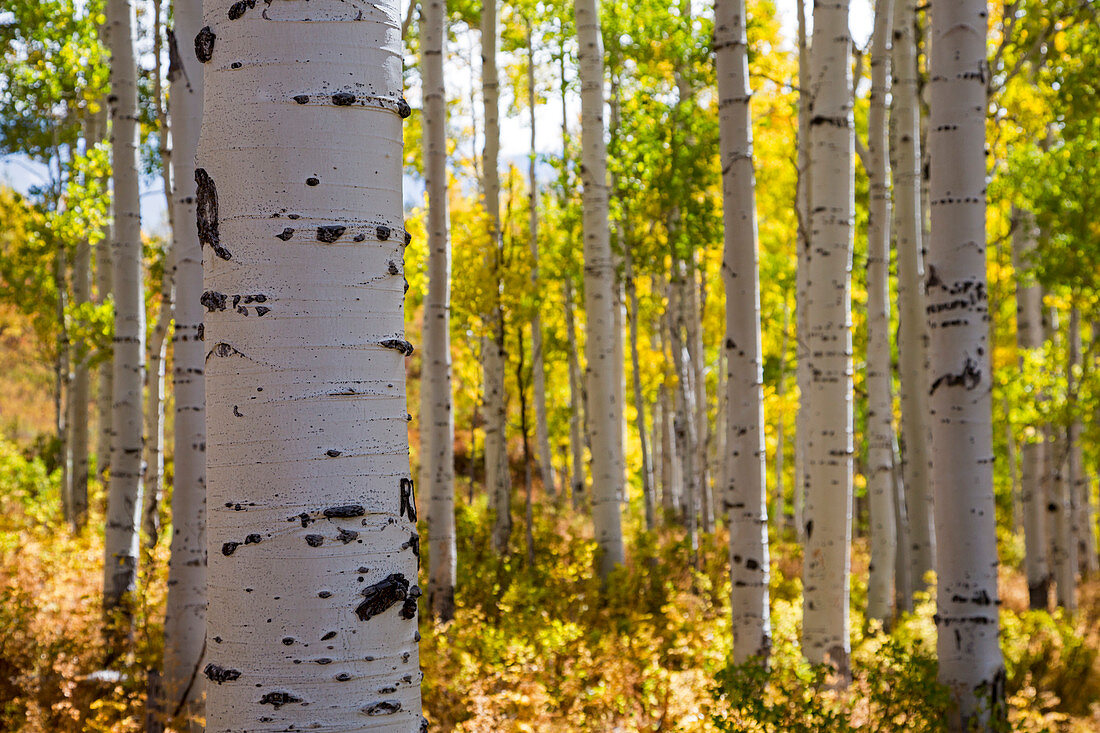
{"x":185,"y":617}
{"x":829,"y":340}
{"x":970,"y":662}
{"x":648,"y":491}
{"x":913,"y":336}
{"x":880,"y":409}
{"x":1084,"y":553}
{"x":744,"y":499}
{"x":312,"y":537}
{"x":124,"y":496}
{"x":576,"y":401}
{"x":802,"y":275}
{"x":602,"y":358}
{"x":1029,"y":337}
{"x":437,"y":413}
{"x":497,"y":475}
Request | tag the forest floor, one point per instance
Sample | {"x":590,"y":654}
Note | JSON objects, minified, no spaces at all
{"x":542,"y":647}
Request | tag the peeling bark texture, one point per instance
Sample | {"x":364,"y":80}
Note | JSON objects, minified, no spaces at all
{"x":829,"y":447}
{"x":185,"y":617}
{"x":970,"y":662}
{"x":912,"y":330}
{"x":124,"y":495}
{"x":744,"y":499}
{"x":437,"y":415}
{"x":880,"y":411}
{"x":498,"y":481}
{"x":604,"y":363}
{"x":1029,"y":337}
{"x":306,"y":406}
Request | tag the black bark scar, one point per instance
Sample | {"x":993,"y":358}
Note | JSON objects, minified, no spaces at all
{"x":237,"y":9}
{"x":207,"y":213}
{"x":214,"y":673}
{"x":408,"y":501}
{"x":398,"y":345}
{"x":382,"y":595}
{"x":969,"y":378}
{"x":204,"y":44}
{"x":330,"y":234}
{"x":278,"y":699}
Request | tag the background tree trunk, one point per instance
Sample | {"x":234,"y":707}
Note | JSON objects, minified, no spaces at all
{"x":603,"y":368}
{"x":745,"y":498}
{"x":802,"y":276}
{"x":829,"y":430}
{"x":312,"y":511}
{"x":970,"y":662}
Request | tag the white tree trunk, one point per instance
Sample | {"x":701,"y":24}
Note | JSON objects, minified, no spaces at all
{"x":604,"y":361}
{"x":497,"y":475}
{"x":649,"y":498}
{"x":1078,"y":479}
{"x":683,"y":424}
{"x":960,"y":375}
{"x":124,"y":496}
{"x":538,"y":367}
{"x":829,"y":340}
{"x":913,"y":335}
{"x":153,"y":477}
{"x":880,"y":409}
{"x":437,"y":413}
{"x":576,"y":402}
{"x":185,"y":617}
{"x":312,"y":533}
{"x":802,"y":275}
{"x":693,"y":323}
{"x":744,"y":499}
{"x":1029,"y":337}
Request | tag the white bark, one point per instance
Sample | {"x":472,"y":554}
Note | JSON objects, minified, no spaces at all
{"x":1029,"y":337}
{"x":538,"y":367}
{"x":913,"y":335}
{"x":603,"y":369}
{"x":693,"y":323}
{"x":970,"y":662}
{"x":802,"y":275}
{"x":153,"y":477}
{"x":497,"y":475}
{"x":185,"y":617}
{"x":745,"y":497}
{"x":683,"y":424}
{"x":576,"y":402}
{"x":437,"y":413}
{"x":1078,"y":479}
{"x":124,"y":496}
{"x":880,"y":410}
{"x":312,"y":533}
{"x":829,"y":340}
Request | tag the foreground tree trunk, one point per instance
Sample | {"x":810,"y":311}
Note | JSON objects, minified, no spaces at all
{"x":124,"y":497}
{"x":880,"y":409}
{"x":745,"y":498}
{"x":312,"y":527}
{"x":185,"y":617}
{"x":970,"y":662}
{"x":497,"y":475}
{"x":829,"y":338}
{"x":913,"y":336}
{"x":1029,"y":337}
{"x":603,"y":360}
{"x":437,"y":414}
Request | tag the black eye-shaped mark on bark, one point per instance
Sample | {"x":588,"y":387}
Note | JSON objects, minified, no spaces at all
{"x":237,"y":9}
{"x":333,"y":453}
{"x":392,"y":268}
{"x":329,"y":234}
{"x":403,"y":108}
{"x":214,"y":673}
{"x":383,"y":232}
{"x":223,"y":349}
{"x":385,"y":707}
{"x":343,"y":99}
{"x":213,"y":300}
{"x":408,"y":609}
{"x":278,"y":699}
{"x":301,"y":98}
{"x":408,"y":501}
{"x":398,"y":345}
{"x":382,"y":595}
{"x":207,"y":213}
{"x":204,"y":44}
{"x":285,"y":234}
{"x":968,"y":378}
{"x":344,"y":512}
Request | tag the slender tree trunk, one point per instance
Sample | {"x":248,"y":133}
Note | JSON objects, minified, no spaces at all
{"x":778,"y":513}
{"x":437,"y":411}
{"x":880,"y":410}
{"x":124,"y":497}
{"x":970,"y":662}
{"x":153,"y":478}
{"x":603,"y":367}
{"x":657,"y":453}
{"x":913,"y":335}
{"x":576,"y":401}
{"x":829,"y":438}
{"x":1078,"y":479}
{"x":312,"y":508}
{"x":745,"y":498}
{"x":528,"y":497}
{"x":497,"y":475}
{"x":903,"y":561}
{"x":648,"y":491}
{"x":538,"y":367}
{"x":63,"y":379}
{"x":693,"y":322}
{"x":1029,"y":337}
{"x":802,"y":275}
{"x":683,"y":424}
{"x":185,"y":618}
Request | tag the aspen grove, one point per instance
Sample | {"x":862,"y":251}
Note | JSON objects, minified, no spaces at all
{"x":530,"y":365}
